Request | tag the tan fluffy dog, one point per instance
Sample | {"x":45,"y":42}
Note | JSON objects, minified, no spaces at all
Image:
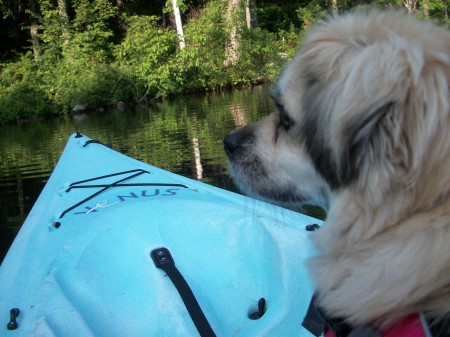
{"x":362,"y":128}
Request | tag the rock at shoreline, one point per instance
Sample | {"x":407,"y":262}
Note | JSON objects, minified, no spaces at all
{"x":78,"y":108}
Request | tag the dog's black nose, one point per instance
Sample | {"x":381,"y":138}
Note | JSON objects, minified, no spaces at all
{"x":230,"y":144}
{"x":235,"y":139}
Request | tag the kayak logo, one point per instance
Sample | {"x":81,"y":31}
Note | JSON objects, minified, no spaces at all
{"x":131,"y":196}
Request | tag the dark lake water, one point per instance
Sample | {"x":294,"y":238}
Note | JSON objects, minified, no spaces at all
{"x":183,"y":135}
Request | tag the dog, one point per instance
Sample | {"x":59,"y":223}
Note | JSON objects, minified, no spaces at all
{"x":361,"y":128}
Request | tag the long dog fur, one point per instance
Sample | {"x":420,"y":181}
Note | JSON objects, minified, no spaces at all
{"x":362,"y":125}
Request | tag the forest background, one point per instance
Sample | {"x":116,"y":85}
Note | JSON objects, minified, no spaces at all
{"x":59,"y":54}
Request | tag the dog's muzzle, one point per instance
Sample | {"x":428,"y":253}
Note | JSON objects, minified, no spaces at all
{"x":236,"y":138}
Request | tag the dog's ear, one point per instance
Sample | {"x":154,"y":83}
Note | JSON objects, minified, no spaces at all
{"x":366,"y":133}
{"x":396,"y":139}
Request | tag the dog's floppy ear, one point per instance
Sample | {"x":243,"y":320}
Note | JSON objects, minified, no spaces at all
{"x":365,"y":132}
{"x":394,"y":138}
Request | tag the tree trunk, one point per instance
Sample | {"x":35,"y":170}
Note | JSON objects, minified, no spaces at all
{"x":446,"y":12}
{"x":178,"y":23}
{"x":64,"y":18}
{"x":411,"y":5}
{"x":119,"y":5}
{"x":334,"y":6}
{"x":250,"y":14}
{"x":426,"y":11}
{"x":34,"y":30}
{"x":231,"y":49}
{"x":34,"y":40}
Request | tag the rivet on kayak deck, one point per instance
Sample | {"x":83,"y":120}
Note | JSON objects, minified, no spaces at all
{"x":56,"y":224}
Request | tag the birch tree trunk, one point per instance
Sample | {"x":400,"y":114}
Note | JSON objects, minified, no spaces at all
{"x":34,"y":31}
{"x":64,"y":17}
{"x":231,"y":49}
{"x":34,"y":40}
{"x":411,"y":5}
{"x":178,"y":23}
{"x":426,"y":11}
{"x":251,"y":17}
{"x":334,"y":6}
{"x":446,"y":12}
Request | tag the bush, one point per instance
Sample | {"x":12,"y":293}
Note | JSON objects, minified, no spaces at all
{"x":22,"y":95}
{"x":13,"y":73}
{"x":204,"y":55}
{"x":147,"y":54}
{"x":95,"y":86}
{"x":260,"y":58}
{"x":24,"y":101}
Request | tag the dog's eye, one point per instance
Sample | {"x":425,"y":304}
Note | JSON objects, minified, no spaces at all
{"x":285,"y":121}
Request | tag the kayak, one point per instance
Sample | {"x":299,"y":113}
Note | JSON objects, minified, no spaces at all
{"x":98,"y":252}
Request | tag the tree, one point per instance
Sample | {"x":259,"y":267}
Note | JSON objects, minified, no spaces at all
{"x":18,"y":28}
{"x":233,"y":44}
{"x":235,"y":14}
{"x":334,"y":6}
{"x":411,"y":5}
{"x":91,"y":30}
{"x":251,"y":17}
{"x":33,"y":29}
{"x":64,"y":18}
{"x":178,"y":23}
{"x":53,"y":29}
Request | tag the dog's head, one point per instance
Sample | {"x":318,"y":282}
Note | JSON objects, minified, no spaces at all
{"x":362,"y":124}
{"x":364,"y":103}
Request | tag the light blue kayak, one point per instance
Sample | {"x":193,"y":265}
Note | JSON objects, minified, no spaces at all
{"x":81,"y":264}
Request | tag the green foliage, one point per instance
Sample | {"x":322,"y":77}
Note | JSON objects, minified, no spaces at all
{"x":21,"y":93}
{"x":15,"y":72}
{"x":289,"y":41}
{"x":96,"y":54}
{"x":276,"y":17}
{"x":434,"y":10}
{"x":146,"y":54}
{"x":91,"y":32}
{"x":50,"y":30}
{"x":88,"y":35}
{"x":25,"y":100}
{"x":182,"y":5}
{"x":309,"y":14}
{"x":93,"y":86}
{"x":259,"y":59}
{"x":204,"y":54}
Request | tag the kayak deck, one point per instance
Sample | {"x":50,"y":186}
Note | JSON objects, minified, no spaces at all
{"x":81,"y":264}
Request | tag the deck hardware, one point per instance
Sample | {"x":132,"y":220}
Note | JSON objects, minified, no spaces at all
{"x":56,"y":224}
{"x":13,"y":313}
{"x":312,"y":227}
{"x":261,"y":309}
{"x":163,"y":260}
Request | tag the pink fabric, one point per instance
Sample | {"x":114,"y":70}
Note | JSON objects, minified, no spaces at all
{"x":409,"y":327}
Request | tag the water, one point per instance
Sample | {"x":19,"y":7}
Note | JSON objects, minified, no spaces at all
{"x":183,"y":135}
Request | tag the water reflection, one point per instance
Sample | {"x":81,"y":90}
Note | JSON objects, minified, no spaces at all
{"x":183,"y":135}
